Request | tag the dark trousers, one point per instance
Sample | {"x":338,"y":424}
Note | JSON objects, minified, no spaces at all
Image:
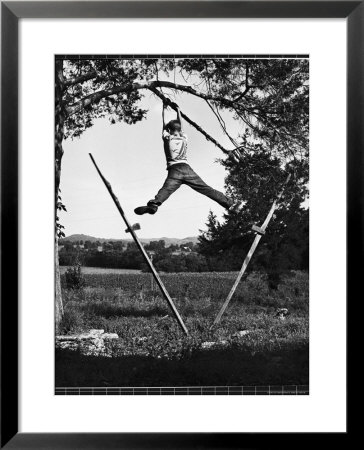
{"x":182,"y":173}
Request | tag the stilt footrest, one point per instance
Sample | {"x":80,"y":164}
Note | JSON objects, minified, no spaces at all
{"x":134,"y":227}
{"x":258,"y":230}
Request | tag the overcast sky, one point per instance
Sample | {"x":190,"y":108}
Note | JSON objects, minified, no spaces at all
{"x":131,"y":157}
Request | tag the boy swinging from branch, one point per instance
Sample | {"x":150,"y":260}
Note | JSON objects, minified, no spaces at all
{"x":180,"y":172}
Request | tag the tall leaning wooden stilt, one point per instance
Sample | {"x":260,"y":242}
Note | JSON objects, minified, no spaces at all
{"x":260,"y":231}
{"x":142,"y":250}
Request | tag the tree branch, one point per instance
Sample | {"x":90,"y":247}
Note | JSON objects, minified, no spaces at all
{"x":190,"y":121}
{"x":80,"y":79}
{"x":97,"y":96}
{"x":247,"y":87}
{"x":192,"y":91}
{"x":221,"y":122}
{"x":152,"y":86}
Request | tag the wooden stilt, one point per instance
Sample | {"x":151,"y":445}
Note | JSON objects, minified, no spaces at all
{"x":260,"y":231}
{"x":142,"y":250}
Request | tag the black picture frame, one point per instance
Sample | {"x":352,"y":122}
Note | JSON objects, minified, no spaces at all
{"x":11,"y":12}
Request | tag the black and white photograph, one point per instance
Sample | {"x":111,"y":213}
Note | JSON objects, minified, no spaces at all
{"x":181,"y":224}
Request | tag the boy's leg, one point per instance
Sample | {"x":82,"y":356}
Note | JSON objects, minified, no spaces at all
{"x":196,"y":183}
{"x":170,"y":185}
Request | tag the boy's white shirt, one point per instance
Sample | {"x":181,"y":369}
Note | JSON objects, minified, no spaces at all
{"x":177,"y":147}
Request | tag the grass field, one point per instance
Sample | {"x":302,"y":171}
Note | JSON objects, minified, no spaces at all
{"x":152,"y":350}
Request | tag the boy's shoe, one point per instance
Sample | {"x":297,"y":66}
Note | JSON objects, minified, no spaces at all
{"x":236,"y":207}
{"x":150,"y":208}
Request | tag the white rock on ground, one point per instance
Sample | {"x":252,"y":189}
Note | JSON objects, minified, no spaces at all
{"x":110,"y":336}
{"x":97,"y":332}
{"x":223,"y":343}
{"x":91,"y":343}
{"x":208,"y":344}
{"x":242,"y":333}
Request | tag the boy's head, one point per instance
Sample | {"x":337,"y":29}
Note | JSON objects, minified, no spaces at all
{"x":174,"y":126}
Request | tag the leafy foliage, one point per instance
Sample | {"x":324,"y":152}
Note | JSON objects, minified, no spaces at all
{"x":268,"y":96}
{"x":74,"y":277}
{"x":59,"y":226}
{"x":105,"y":75}
{"x":255,"y":182}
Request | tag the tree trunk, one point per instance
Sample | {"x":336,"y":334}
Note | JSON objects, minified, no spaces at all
{"x":58,"y":292}
{"x":59,"y":133}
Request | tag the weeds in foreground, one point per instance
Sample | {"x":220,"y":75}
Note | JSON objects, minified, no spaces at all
{"x":145,"y":325}
{"x":152,"y":350}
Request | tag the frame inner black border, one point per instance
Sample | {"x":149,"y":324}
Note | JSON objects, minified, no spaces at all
{"x":11,"y":12}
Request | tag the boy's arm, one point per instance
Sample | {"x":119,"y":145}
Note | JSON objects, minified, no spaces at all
{"x":179,"y":117}
{"x":165,"y":133}
{"x":164,"y":123}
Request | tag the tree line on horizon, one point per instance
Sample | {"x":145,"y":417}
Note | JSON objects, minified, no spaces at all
{"x":284,"y":248}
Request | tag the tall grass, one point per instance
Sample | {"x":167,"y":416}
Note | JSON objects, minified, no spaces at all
{"x":254,"y":290}
{"x":152,"y":350}
{"x":145,"y":325}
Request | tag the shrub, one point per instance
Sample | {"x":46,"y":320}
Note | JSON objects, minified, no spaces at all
{"x":74,"y":277}
{"x":72,"y":321}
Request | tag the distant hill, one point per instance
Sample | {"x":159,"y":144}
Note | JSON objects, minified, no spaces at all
{"x":167,"y":240}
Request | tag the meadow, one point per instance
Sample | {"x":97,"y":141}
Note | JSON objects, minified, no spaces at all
{"x":153,"y":351}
